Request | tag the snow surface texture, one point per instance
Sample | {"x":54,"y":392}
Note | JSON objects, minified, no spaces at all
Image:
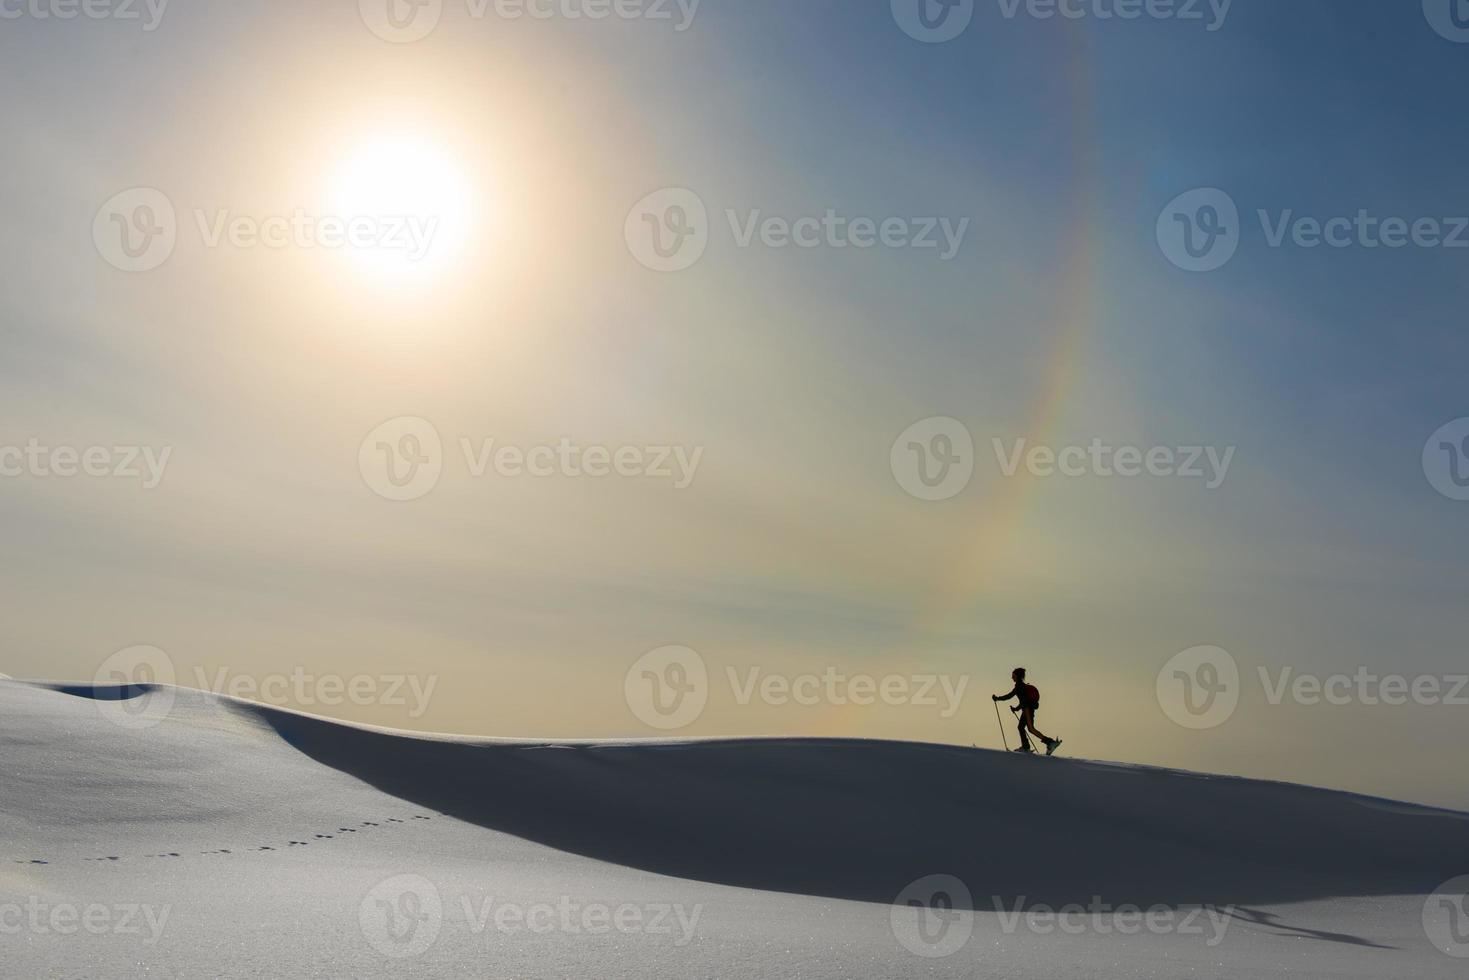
{"x":158,"y":832}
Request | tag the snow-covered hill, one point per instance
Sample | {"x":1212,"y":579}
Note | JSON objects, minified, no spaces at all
{"x":167,"y":832}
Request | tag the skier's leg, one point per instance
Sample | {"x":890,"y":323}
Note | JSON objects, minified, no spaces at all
{"x":1024,"y":739}
{"x":1030,"y":724}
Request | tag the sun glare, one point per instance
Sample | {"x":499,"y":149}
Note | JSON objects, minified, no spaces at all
{"x":407,"y":207}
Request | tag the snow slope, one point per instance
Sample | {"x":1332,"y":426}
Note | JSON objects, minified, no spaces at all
{"x":234,"y":840}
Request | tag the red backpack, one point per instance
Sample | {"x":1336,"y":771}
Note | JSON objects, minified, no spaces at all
{"x":1033,"y":695}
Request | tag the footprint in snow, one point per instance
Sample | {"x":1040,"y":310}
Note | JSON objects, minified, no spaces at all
{"x":264,"y":847}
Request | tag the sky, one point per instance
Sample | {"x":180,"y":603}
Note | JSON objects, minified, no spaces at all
{"x":585,"y":432}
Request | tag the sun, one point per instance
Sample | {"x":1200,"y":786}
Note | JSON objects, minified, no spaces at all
{"x":406,"y":209}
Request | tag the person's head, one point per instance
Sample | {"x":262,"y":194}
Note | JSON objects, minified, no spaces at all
{"x":1018,"y":674}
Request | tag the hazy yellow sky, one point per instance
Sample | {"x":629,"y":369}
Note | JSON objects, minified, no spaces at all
{"x":759,"y":415}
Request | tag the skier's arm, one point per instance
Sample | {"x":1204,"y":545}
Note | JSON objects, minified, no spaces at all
{"x":1013,"y":694}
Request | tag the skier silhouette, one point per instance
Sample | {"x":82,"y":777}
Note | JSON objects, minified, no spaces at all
{"x":1029,"y":702}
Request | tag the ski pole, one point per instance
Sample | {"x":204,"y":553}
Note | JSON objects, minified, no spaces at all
{"x":1002,"y":727}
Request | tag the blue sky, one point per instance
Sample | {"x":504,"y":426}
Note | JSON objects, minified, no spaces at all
{"x":1060,"y":320}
